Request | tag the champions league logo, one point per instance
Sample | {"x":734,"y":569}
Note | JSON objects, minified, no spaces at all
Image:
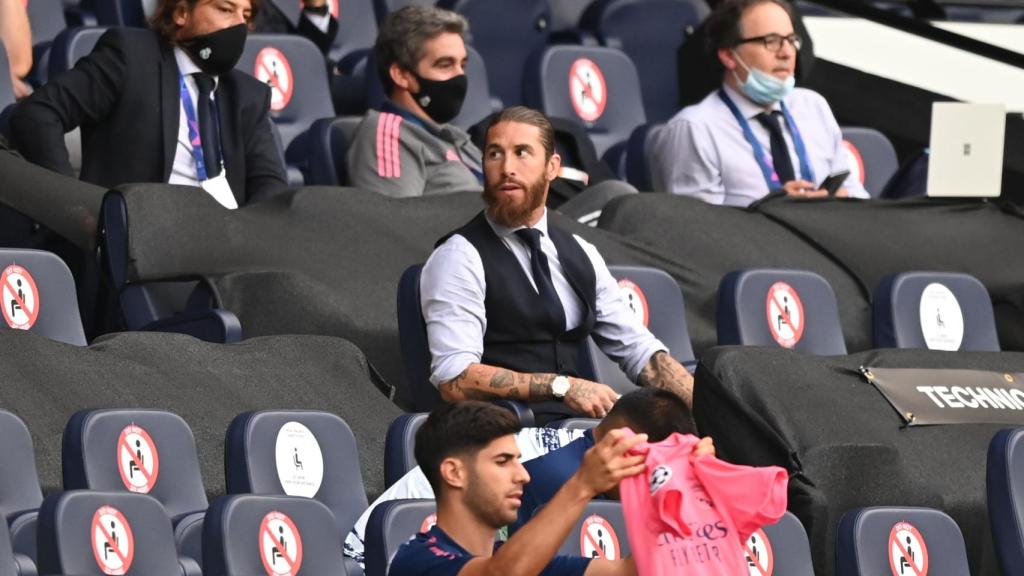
{"x":205,"y":53}
{"x":659,"y":477}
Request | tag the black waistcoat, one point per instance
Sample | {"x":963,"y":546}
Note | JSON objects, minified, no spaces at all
{"x":519,"y":335}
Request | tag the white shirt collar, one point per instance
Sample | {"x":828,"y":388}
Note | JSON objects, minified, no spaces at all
{"x":505,"y":232}
{"x":747,"y":107}
{"x":187,"y":67}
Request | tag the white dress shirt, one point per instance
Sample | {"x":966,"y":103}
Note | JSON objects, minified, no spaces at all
{"x":701,"y":152}
{"x":183,"y":171}
{"x":453,"y":289}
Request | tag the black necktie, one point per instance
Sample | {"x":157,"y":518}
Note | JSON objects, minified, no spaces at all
{"x":208,"y":132}
{"x":780,"y":153}
{"x":542,"y":277}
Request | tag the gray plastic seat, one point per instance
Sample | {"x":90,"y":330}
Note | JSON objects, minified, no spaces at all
{"x":871,"y":539}
{"x":781,"y":548}
{"x":39,"y":296}
{"x":20,"y":495}
{"x":392,"y":524}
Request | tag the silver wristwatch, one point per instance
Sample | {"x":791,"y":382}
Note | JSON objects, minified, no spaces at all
{"x":560,"y":387}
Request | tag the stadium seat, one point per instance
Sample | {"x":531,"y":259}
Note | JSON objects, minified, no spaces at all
{"x":477,"y":105}
{"x":7,"y":97}
{"x":656,"y":300}
{"x":1004,"y":483}
{"x":297,"y":453}
{"x":120,"y":13}
{"x":789,"y":308}
{"x":599,"y":532}
{"x":357,"y":26}
{"x":298,"y":532}
{"x":649,"y":32}
{"x":10,"y":563}
{"x":391,"y":524}
{"x":412,"y":336}
{"x":873,"y":157}
{"x":85,"y":532}
{"x":781,"y":548}
{"x":145,"y":451}
{"x":636,"y":165}
{"x":935,"y":310}
{"x":399,"y":445}
{"x":328,"y":147}
{"x":575,"y":423}
{"x":40,"y":296}
{"x":70,"y":46}
{"x":566,"y":14}
{"x":20,"y":495}
{"x":596,"y":85}
{"x":188,"y":307}
{"x":294,"y":68}
{"x":883,"y":540}
{"x":505,"y":32}
{"x":46,"y":18}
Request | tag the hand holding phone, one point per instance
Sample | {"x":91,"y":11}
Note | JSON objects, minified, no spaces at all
{"x":834,"y":182}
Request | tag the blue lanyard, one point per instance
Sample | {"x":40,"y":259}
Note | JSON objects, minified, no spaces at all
{"x":764,"y":160}
{"x":193,"y":130}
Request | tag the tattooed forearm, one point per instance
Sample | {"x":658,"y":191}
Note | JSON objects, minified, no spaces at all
{"x":483,"y":382}
{"x":540,"y":386}
{"x":663,"y":371}
{"x":502,"y":379}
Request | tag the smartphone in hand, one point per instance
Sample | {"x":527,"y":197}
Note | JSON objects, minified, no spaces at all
{"x":834,"y":182}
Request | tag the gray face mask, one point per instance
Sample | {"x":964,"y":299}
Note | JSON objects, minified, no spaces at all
{"x":762,"y":87}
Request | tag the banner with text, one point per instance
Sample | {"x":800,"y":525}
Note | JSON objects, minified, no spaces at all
{"x":931,"y":396}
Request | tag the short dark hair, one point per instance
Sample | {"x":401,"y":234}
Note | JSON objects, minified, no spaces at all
{"x":524,"y":115}
{"x":461,"y":429}
{"x":162,"y":20}
{"x":652,"y":411}
{"x":401,"y":37}
{"x":723,"y":25}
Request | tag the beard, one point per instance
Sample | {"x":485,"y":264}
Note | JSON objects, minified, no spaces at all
{"x":486,"y":505}
{"x":512,"y":212}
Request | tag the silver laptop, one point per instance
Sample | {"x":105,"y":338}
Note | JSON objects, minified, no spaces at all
{"x":966,"y":150}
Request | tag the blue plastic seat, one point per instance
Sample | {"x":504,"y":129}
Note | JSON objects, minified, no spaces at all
{"x":7,"y":97}
{"x":304,"y":453}
{"x":873,"y":157}
{"x":935,"y":310}
{"x":46,"y":18}
{"x":1004,"y":483}
{"x":773,"y":307}
{"x":868,"y":538}
{"x":597,"y":86}
{"x":650,"y":33}
{"x":294,"y":68}
{"x":132,"y":530}
{"x":399,"y":446}
{"x":70,"y":46}
{"x":43,"y":298}
{"x":20,"y":495}
{"x":635,"y":164}
{"x":784,"y":546}
{"x":328,"y":146}
{"x":658,"y":303}
{"x":599,"y":532}
{"x":143,"y":451}
{"x":252,"y":534}
{"x":412,"y":336}
{"x":392,"y":524}
{"x":505,"y":32}
{"x":11,"y":564}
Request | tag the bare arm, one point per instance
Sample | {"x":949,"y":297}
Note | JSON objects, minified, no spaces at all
{"x":17,"y":36}
{"x":665,"y":372}
{"x":486,"y":382}
{"x":530,"y":549}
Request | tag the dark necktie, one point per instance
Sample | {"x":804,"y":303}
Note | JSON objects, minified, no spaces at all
{"x":208,"y":131}
{"x":780,"y":153}
{"x":542,"y":277}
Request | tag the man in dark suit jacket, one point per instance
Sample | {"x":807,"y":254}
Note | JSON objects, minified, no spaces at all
{"x":128,"y":96}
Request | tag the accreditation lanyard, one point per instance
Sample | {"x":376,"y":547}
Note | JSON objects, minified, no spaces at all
{"x":764,"y":159}
{"x":193,"y":131}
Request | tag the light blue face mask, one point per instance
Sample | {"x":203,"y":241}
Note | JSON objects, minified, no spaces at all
{"x":761,"y":87}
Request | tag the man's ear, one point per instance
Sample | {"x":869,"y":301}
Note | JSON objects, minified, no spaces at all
{"x":453,"y":473}
{"x":403,"y":78}
{"x":181,"y":14}
{"x":554,"y":166}
{"x":727,"y":58}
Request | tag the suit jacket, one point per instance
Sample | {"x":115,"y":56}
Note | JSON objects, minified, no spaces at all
{"x":125,"y":97}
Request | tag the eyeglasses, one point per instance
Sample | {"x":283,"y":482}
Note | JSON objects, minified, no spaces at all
{"x":773,"y":42}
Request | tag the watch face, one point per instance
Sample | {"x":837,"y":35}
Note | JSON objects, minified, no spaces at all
{"x":560,"y":386}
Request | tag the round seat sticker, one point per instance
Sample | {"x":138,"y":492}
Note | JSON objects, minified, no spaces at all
{"x":300,"y":463}
{"x":942,"y":321}
{"x":20,"y":297}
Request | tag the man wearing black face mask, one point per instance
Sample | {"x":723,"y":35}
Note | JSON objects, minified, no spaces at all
{"x":407,"y":148}
{"x":163,"y":105}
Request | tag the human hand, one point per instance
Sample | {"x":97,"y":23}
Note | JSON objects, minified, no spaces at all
{"x":590,"y":398}
{"x":607,"y":463}
{"x":803,"y":189}
{"x":842,"y":193}
{"x":706,"y":447}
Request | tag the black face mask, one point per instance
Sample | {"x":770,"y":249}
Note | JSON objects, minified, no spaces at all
{"x":217,"y":52}
{"x":442,"y":99}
